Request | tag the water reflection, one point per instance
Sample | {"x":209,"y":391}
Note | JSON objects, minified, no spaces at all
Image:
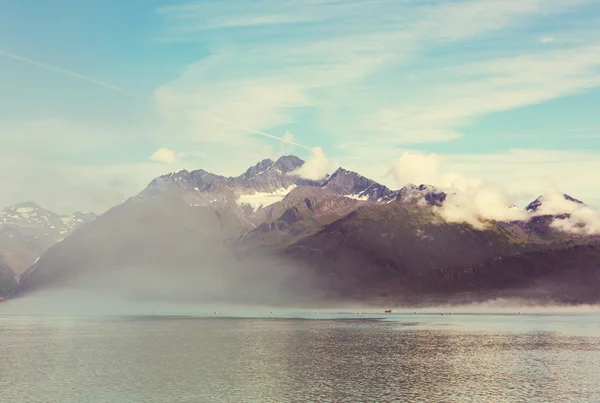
{"x":234,"y":360}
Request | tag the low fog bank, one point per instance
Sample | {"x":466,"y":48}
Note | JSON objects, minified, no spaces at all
{"x":166,"y":248}
{"x":69,"y":302}
{"x":262,"y":281}
{"x":147,"y":291}
{"x":493,"y":306}
{"x":86,"y":303}
{"x":266,"y":281}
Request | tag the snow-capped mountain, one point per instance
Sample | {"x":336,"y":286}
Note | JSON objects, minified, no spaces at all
{"x":28,"y":217}
{"x":266,"y":183}
{"x":353,"y":185}
{"x":261,"y":185}
{"x":269,"y":181}
{"x":27,"y":230}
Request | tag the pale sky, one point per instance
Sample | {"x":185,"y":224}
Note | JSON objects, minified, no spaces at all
{"x":98,"y":98}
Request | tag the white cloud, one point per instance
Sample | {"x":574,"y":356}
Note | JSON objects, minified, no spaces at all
{"x":418,"y":168}
{"x":468,"y":199}
{"x":280,"y":77}
{"x":315,"y":167}
{"x":58,"y":163}
{"x":453,"y":97}
{"x":554,"y":202}
{"x":187,"y":20}
{"x":474,"y":200}
{"x":431,"y":169}
{"x":54,"y":138}
{"x":529,"y":172}
{"x":477,"y":205}
{"x":244,"y":21}
{"x":581,"y":218}
{"x":525,"y":173}
{"x":431,"y":109}
{"x":276,"y":80}
{"x":547,"y":39}
{"x":164,"y":155}
{"x":188,"y":104}
{"x":68,"y":187}
{"x":344,"y":68}
{"x":459,"y":19}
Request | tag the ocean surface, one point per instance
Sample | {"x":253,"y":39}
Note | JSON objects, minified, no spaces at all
{"x":301,"y":357}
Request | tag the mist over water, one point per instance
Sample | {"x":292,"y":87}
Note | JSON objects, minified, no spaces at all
{"x":115,"y":338}
{"x":84,"y":302}
{"x":156,"y":292}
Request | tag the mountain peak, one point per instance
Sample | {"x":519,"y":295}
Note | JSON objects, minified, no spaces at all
{"x":283,"y":165}
{"x":257,"y":169}
{"x":537,"y":203}
{"x":288,"y":163}
{"x":24,"y":205}
{"x":341,"y":171}
{"x":352,"y":184}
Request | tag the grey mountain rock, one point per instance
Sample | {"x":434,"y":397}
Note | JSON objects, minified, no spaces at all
{"x":317,"y":201}
{"x":347,"y":183}
{"x":265,"y":177}
{"x":305,"y":210}
{"x":426,"y":194}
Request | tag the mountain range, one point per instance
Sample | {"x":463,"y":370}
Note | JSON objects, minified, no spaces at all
{"x":28,"y":230}
{"x":270,"y":236}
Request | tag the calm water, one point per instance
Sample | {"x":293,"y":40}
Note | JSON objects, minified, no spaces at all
{"x":418,"y":358}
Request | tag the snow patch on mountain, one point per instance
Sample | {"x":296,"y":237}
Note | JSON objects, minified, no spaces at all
{"x":258,"y":200}
{"x":360,"y":196}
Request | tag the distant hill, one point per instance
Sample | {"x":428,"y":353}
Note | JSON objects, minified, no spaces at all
{"x":28,"y":230}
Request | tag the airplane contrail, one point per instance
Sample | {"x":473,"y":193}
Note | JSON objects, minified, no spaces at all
{"x":259,"y":132}
{"x":103,"y":84}
{"x":72,"y":74}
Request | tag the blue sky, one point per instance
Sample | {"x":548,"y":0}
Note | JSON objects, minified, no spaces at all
{"x":506,"y":91}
